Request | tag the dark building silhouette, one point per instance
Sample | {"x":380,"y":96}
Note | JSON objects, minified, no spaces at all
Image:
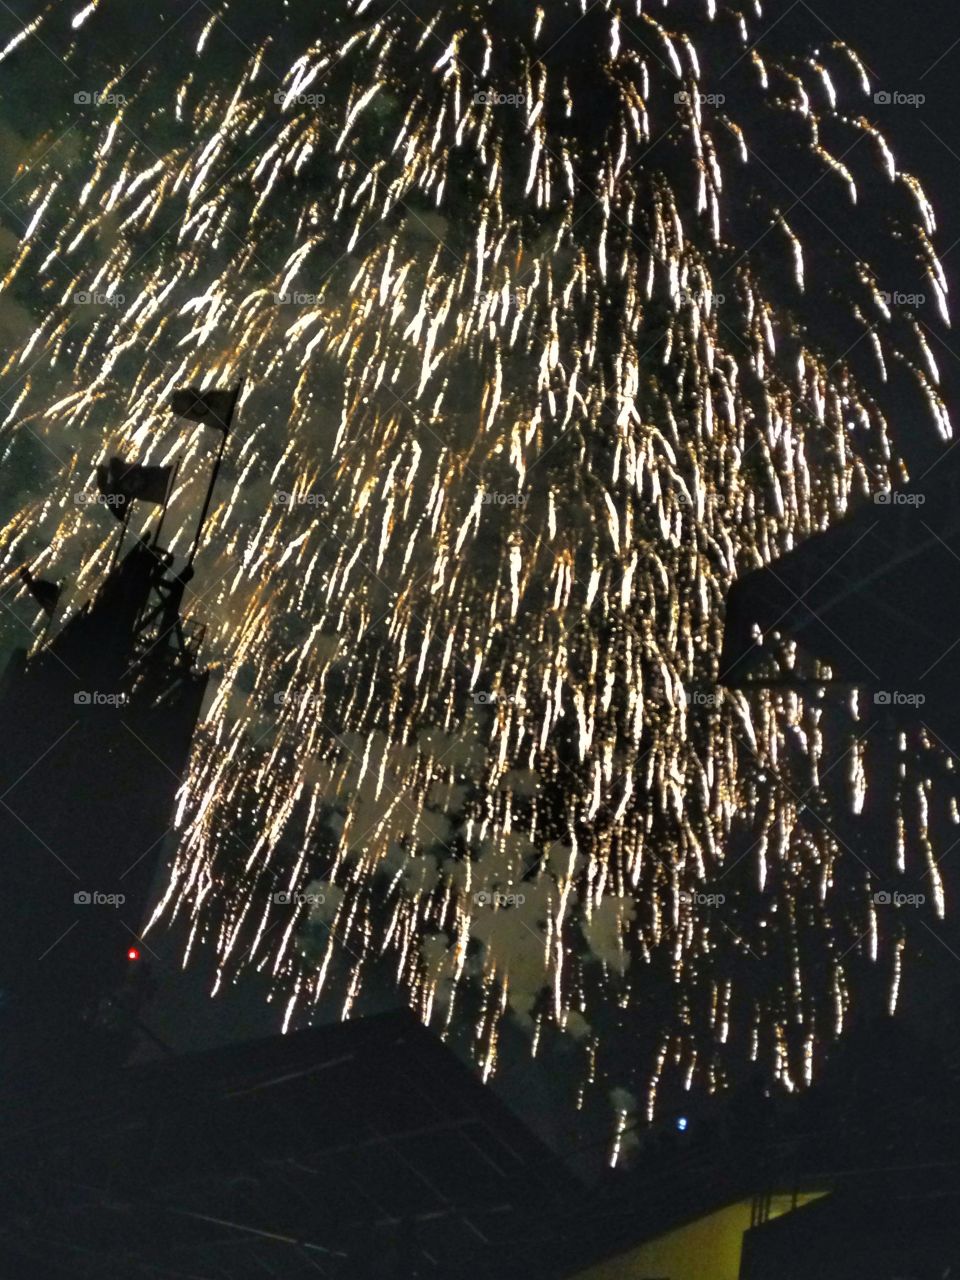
{"x":876,"y":597}
{"x":361,"y":1149}
{"x":357,"y":1150}
{"x":97,"y":727}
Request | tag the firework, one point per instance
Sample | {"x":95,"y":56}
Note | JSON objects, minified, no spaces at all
{"x":553,"y":324}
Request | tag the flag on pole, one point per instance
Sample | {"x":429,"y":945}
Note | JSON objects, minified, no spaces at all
{"x":123,"y":482}
{"x":45,"y":593}
{"x":209,"y":408}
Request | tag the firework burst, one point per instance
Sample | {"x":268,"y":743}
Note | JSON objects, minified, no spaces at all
{"x":554,"y":324}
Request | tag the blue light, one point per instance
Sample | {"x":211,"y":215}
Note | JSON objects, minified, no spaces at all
{"x":682,"y":1123}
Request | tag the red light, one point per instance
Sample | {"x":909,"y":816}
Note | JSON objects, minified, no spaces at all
{"x":133,"y":953}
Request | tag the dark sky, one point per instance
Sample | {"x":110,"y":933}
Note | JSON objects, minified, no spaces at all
{"x":914,"y":49}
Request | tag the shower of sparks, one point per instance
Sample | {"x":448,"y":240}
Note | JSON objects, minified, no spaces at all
{"x":541,"y":353}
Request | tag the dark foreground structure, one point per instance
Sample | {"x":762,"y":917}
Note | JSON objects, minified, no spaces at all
{"x":97,"y":729}
{"x":354,"y":1150}
{"x":357,"y":1150}
{"x":876,"y":598}
{"x":367,"y":1150}
{"x":858,"y":1179}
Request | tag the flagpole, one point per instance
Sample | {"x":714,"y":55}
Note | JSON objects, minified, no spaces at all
{"x":166,"y":503}
{"x":48,"y":623}
{"x":49,"y":610}
{"x":225,"y":430}
{"x":123,"y":532}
